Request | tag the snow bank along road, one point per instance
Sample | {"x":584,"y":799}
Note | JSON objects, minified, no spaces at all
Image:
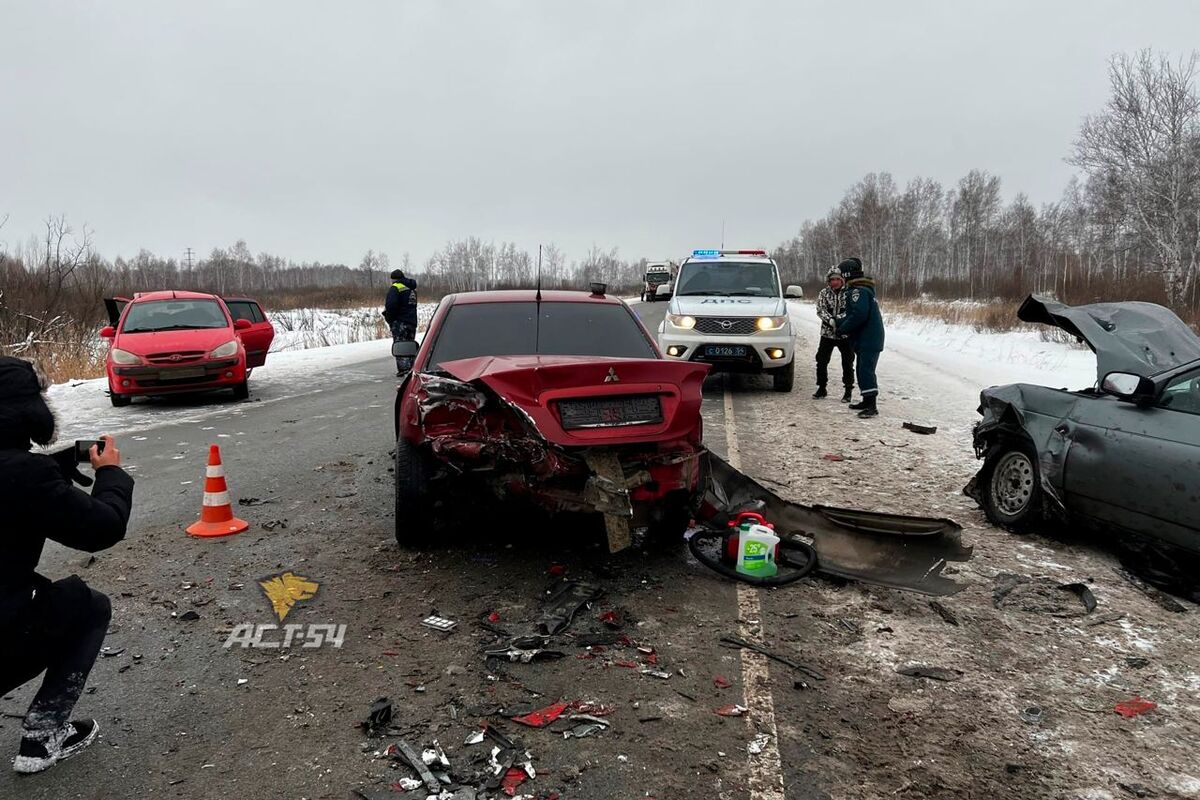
{"x":182,"y":715}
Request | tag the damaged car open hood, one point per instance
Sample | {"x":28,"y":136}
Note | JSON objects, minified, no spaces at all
{"x":544,"y":387}
{"x":1142,"y":338}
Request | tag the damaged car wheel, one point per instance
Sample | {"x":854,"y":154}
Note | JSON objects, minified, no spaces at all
{"x":414,"y":506}
{"x":1011,"y":487}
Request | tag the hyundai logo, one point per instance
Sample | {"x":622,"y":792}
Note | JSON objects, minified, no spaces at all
{"x":176,"y":357}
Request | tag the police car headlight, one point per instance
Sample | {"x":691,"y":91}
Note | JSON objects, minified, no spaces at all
{"x":771,"y":323}
{"x":225,"y":351}
{"x":123,"y":357}
{"x":682,"y":321}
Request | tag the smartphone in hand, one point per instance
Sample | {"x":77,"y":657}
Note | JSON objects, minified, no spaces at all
{"x":83,"y":449}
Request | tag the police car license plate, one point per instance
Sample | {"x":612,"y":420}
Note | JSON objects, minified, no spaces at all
{"x":610,"y":412}
{"x":723,"y":351}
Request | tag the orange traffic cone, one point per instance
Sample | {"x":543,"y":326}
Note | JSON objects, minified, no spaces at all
{"x":216,"y":515}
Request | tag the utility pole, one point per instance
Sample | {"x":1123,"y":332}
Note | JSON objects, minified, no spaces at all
{"x":188,"y":254}
{"x":722,"y":234}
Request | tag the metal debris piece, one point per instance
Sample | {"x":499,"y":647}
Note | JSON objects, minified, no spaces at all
{"x":565,"y":603}
{"x":583,"y":729}
{"x":379,"y":714}
{"x":943,"y":612}
{"x":735,"y":641}
{"x":432,"y":784}
{"x":1162,"y":599}
{"x":758,"y":744}
{"x":924,"y":671}
{"x":657,"y":673}
{"x":1033,"y":715}
{"x":1137,"y":662}
{"x":475,"y":738}
{"x":435,"y":755}
{"x":922,"y":429}
{"x":439,"y":623}
{"x":1041,"y":595}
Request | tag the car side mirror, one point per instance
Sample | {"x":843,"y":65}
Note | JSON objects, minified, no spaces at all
{"x":242,"y":324}
{"x":794,"y":292}
{"x":404,"y":349}
{"x":108,"y":332}
{"x":1128,"y":386}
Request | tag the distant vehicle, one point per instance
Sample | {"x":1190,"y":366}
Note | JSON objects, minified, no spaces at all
{"x":557,"y":398}
{"x":659,"y":280}
{"x":730,"y":311}
{"x":1120,"y":459}
{"x":175,"y":342}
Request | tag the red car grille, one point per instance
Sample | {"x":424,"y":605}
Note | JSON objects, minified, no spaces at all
{"x":180,"y":357}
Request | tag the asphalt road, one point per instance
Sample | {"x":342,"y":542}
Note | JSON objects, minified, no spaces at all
{"x":182,"y":715}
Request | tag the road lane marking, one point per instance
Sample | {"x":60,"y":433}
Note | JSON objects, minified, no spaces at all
{"x":765,"y":774}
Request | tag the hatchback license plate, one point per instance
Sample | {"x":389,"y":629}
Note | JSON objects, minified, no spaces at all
{"x":610,"y":412}
{"x":180,"y":374}
{"x":722,"y":351}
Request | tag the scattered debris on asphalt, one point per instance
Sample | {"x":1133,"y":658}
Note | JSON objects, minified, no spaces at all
{"x":1134,"y":707}
{"x":943,"y":612}
{"x":925,"y":671}
{"x":1042,"y":596}
{"x":542,"y":716}
{"x":1162,"y":599}
{"x":439,"y":623}
{"x":253,"y":501}
{"x":721,"y":682}
{"x":732,"y":710}
{"x":925,"y":430}
{"x":379,"y":715}
{"x":758,"y":744}
{"x":1032,"y":715}
{"x":567,"y":601}
{"x":735,"y":641}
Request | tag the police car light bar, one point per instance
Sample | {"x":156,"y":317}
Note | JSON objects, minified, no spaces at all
{"x":716,"y":253}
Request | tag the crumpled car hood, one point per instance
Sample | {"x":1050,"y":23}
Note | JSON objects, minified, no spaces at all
{"x":1142,"y":338}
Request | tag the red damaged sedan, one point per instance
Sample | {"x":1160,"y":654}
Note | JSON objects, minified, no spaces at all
{"x":174,"y":342}
{"x":556,"y":398}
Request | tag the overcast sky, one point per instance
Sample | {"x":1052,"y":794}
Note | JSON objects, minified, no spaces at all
{"x":317,"y":130}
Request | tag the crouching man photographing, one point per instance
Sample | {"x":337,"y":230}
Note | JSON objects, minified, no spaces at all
{"x":51,"y":626}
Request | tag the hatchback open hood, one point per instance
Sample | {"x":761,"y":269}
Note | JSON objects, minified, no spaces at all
{"x":1142,"y":338}
{"x":536,"y":384}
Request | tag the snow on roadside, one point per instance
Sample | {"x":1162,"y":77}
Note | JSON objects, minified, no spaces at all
{"x":304,"y":328}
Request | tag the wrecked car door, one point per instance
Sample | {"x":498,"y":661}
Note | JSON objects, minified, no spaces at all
{"x":1137,"y":468}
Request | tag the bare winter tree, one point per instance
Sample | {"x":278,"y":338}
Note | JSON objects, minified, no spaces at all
{"x":1143,"y":152}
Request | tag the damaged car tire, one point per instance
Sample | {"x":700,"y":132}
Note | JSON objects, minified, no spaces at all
{"x":1010,"y":487}
{"x":414,"y":505}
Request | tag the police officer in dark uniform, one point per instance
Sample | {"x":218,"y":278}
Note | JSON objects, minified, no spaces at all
{"x":48,"y":626}
{"x":400,"y":313}
{"x":863,"y":324}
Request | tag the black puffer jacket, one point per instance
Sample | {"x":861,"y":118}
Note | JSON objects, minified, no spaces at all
{"x":38,"y":502}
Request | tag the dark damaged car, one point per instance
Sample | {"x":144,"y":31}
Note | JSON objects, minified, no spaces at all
{"x":557,"y":399}
{"x":1122,"y":457}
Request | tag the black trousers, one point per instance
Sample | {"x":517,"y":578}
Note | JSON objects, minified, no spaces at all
{"x":61,"y":635}
{"x":825,"y":351}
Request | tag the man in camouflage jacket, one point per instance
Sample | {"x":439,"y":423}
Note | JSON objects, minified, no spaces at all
{"x":831,"y":308}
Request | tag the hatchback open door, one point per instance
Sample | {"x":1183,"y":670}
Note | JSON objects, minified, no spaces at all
{"x":114,"y":306}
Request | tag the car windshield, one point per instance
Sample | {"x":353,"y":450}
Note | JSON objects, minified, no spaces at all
{"x":171,"y":315}
{"x":513,"y":329}
{"x":731,"y":279}
{"x":658,"y":275}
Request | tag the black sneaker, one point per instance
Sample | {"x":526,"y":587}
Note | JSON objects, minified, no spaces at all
{"x":847,"y":395}
{"x":819,"y":393}
{"x":37,"y":755}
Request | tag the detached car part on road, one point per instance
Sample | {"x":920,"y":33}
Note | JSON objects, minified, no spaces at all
{"x":178,"y":342}
{"x":1121,"y":458}
{"x":558,"y":398}
{"x":729,"y":310}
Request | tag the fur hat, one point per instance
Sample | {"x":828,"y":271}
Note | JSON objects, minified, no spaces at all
{"x":24,"y":415}
{"x":834,"y":272}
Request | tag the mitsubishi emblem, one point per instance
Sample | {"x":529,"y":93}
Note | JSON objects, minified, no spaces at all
{"x":611,"y":377}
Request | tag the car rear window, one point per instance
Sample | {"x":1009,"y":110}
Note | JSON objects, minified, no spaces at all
{"x":168,"y":315}
{"x":245,"y":309}
{"x":564,"y":329}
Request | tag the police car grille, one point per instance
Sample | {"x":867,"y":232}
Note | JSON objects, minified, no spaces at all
{"x":726,"y":325}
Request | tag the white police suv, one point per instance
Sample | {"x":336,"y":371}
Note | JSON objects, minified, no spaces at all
{"x":730,"y":310}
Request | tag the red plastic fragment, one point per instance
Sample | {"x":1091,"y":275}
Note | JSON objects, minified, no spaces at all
{"x":832,"y":457}
{"x":542,"y":717}
{"x":1131,"y":708}
{"x":390,"y":653}
{"x":626,"y":664}
{"x":612,"y":619}
{"x":732,"y":710}
{"x":721,"y":682}
{"x":557,"y":569}
{"x":494,"y":616}
{"x":512,"y":779}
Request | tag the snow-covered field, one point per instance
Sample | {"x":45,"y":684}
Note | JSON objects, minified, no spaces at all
{"x":303,"y":328}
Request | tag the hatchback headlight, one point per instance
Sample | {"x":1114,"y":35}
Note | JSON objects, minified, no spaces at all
{"x":123,"y":357}
{"x":771,"y":323}
{"x":682,"y":321}
{"x":225,"y":351}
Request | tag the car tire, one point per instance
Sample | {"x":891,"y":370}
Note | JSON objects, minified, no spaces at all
{"x":242,"y":390}
{"x":118,"y":400}
{"x":414,"y":508}
{"x":1010,"y":487}
{"x":784,"y":378}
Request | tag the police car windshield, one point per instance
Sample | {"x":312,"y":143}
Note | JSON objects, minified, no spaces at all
{"x":727,"y":278}
{"x":513,"y":329}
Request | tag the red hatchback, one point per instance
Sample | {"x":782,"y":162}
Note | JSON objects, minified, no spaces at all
{"x":561,"y":399}
{"x":173,"y":342}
